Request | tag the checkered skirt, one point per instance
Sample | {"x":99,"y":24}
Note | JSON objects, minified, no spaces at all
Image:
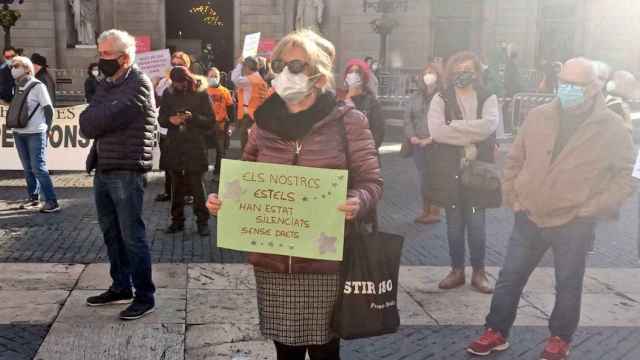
{"x":296,"y":309}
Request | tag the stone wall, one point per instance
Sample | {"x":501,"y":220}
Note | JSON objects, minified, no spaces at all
{"x":612,"y":33}
{"x":35,"y":31}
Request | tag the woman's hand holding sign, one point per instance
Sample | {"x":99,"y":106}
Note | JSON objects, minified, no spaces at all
{"x":350,"y":208}
{"x":214,"y":204}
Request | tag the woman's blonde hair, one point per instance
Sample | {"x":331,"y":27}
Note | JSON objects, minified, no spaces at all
{"x":320,"y":53}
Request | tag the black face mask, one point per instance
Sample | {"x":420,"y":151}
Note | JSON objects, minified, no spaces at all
{"x":463,"y":79}
{"x":108,"y":67}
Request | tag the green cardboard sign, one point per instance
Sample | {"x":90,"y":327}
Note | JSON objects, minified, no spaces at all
{"x":281,"y":209}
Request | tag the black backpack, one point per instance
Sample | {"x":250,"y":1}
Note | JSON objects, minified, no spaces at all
{"x":18,"y":117}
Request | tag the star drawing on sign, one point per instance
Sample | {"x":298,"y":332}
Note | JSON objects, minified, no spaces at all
{"x":326,"y":244}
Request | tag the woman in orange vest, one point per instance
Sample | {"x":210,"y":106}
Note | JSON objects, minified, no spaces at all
{"x":252,"y":91}
{"x":223,"y":108}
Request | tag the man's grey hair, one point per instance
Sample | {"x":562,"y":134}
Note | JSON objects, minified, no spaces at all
{"x":25,"y":62}
{"x":123,"y":41}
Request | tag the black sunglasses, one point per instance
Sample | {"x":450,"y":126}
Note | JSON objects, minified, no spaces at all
{"x":295,"y":66}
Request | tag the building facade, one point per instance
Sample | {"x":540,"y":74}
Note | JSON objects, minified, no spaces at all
{"x":540,"y":29}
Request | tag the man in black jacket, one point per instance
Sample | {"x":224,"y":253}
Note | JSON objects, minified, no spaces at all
{"x":7,"y":83}
{"x":121,"y":118}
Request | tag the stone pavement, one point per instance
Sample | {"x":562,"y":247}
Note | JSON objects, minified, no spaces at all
{"x":208,"y":311}
{"x":73,"y":235}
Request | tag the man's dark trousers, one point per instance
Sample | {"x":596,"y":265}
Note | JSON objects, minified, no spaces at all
{"x":119,"y":196}
{"x":526,"y":248}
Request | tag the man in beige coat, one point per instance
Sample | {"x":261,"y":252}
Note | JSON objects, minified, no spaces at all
{"x":570,"y":165}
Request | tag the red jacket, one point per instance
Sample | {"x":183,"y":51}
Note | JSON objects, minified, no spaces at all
{"x":322,"y":147}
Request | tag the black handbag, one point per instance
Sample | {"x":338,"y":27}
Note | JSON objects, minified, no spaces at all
{"x":367,"y":304}
{"x":480,"y":175}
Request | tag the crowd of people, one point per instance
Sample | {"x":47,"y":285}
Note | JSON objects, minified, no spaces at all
{"x":569,"y":166}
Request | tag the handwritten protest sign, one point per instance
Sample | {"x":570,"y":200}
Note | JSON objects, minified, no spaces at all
{"x":154,"y":63}
{"x":283,"y":210}
{"x":251,"y":44}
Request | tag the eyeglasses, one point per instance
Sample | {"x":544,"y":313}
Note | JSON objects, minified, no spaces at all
{"x":294,"y":66}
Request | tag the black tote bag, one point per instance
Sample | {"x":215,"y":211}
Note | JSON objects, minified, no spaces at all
{"x":367,"y":304}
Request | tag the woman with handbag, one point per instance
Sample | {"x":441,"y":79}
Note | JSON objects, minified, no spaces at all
{"x":462,"y":121}
{"x":302,"y":124}
{"x":418,"y":139}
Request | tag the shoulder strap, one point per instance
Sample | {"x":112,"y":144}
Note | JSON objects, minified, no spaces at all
{"x":26,"y":96}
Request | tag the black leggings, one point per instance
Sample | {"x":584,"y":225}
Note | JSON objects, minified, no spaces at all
{"x":328,"y":351}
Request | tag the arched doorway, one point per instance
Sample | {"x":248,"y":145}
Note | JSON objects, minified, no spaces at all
{"x":191,"y":25}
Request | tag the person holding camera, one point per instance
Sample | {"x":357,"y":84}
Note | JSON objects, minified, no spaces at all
{"x":186,"y":113}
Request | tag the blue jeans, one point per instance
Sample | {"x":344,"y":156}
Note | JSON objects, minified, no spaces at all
{"x":31,"y":149}
{"x":464,"y":220}
{"x":119,"y":196}
{"x":526,"y":248}
{"x":421,"y":159}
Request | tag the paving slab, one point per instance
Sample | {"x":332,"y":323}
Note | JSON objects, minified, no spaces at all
{"x":113,"y":341}
{"x":170,"y":309}
{"x":221,"y":277}
{"x":165,"y":276}
{"x":34,"y":307}
{"x":21,"y":276}
{"x":617,"y":310}
{"x":410,"y":311}
{"x":625,"y":280}
{"x":222,"y":306}
{"x":464,"y":307}
{"x":223,"y":341}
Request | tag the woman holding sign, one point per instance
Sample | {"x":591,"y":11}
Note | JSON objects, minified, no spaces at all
{"x":302,"y":124}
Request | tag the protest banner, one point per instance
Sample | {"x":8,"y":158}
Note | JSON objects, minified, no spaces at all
{"x":251,"y":44}
{"x":143,"y":44}
{"x":281,"y":209}
{"x":67,"y":148}
{"x":266,"y":46}
{"x":154,"y":63}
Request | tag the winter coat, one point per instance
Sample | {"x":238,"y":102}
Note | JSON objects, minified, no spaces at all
{"x":323,"y":147}
{"x":590,"y":177}
{"x":186,"y":150}
{"x":122,"y":120}
{"x":370,"y":107}
{"x":415,"y":116}
{"x":46,"y":78}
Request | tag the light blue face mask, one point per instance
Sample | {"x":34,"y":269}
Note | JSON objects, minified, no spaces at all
{"x":571,"y":96}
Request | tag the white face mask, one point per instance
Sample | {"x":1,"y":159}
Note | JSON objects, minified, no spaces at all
{"x":292,"y":88}
{"x":214,"y":82}
{"x":95,"y":73}
{"x":17,"y":72}
{"x":430,"y":79}
{"x":353,"y":80}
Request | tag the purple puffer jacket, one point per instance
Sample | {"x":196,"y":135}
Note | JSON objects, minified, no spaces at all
{"x":323,"y":147}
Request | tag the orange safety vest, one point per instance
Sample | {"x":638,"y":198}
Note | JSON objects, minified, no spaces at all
{"x":259,"y":93}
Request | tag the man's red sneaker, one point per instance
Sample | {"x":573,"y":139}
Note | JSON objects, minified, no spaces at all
{"x":556,"y":349}
{"x":490,"y":341}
